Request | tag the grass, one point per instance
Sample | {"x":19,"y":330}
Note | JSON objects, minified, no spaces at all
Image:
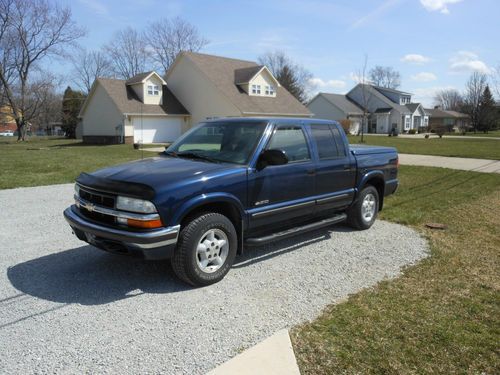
{"x":491,"y":133}
{"x":441,"y":316}
{"x":466,"y":148}
{"x":42,"y":161}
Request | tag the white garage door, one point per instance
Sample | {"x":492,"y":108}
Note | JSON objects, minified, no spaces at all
{"x":156,"y":129}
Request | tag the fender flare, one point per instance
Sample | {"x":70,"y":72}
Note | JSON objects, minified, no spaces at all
{"x":368,"y":176}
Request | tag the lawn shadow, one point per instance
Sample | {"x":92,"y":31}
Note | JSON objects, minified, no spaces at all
{"x":89,"y":276}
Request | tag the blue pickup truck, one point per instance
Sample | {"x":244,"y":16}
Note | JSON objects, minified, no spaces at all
{"x":228,"y":184}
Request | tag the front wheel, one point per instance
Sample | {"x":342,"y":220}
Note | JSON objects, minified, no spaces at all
{"x":206,"y":250}
{"x":363,"y":213}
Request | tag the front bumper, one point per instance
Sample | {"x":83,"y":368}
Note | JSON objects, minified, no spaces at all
{"x":153,"y":244}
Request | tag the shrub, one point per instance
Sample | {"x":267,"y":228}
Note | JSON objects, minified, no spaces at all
{"x":346,"y":125}
{"x":412,"y":131}
{"x":440,"y":131}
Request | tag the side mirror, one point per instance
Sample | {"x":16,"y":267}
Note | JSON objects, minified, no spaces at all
{"x":271,"y":157}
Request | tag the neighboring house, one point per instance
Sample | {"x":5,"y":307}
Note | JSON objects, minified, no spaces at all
{"x":213,"y":86}
{"x":451,"y":120}
{"x":337,"y":107}
{"x":387,"y":109}
{"x":149,"y":109}
{"x":7,"y":120}
{"x":140,"y":110}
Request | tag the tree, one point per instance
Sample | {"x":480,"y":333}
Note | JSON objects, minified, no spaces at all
{"x":71,"y":104}
{"x":385,"y":76}
{"x":475,"y":87}
{"x":366,"y":95}
{"x":128,"y":53}
{"x":293,"y":77}
{"x":89,"y":65}
{"x":495,"y":77}
{"x":487,"y":111}
{"x":449,"y":99}
{"x":167,"y":38}
{"x":31,"y":31}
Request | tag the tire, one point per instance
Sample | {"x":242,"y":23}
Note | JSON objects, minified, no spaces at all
{"x":363,"y":213}
{"x":201,"y":258}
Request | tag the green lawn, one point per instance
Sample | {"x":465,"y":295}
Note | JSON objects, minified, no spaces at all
{"x":42,"y":161}
{"x":492,"y":133}
{"x":466,"y":148}
{"x":443,"y":315}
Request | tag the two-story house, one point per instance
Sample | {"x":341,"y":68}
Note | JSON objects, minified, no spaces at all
{"x":151,"y":109}
{"x":386,"y":109}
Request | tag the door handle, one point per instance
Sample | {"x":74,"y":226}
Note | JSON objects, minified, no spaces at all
{"x":347,"y":167}
{"x":311,"y":172}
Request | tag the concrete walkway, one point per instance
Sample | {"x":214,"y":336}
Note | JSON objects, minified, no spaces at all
{"x":465,"y":164}
{"x":433,"y":135}
{"x":273,"y":356}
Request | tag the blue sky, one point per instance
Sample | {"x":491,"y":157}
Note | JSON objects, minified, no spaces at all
{"x":435,"y":44}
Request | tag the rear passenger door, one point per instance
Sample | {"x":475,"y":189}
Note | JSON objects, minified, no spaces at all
{"x":335,"y":168}
{"x":279,"y":193}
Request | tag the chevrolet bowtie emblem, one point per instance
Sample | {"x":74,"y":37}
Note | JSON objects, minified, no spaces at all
{"x":89,"y":207}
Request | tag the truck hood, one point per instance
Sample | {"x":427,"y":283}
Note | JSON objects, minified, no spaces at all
{"x":162,"y":173}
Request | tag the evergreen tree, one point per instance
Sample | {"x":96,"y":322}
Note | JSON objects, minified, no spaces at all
{"x":487,"y":111}
{"x":289,"y":81}
{"x":72,"y":102}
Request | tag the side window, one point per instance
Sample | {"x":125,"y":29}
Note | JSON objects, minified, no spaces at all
{"x":292,"y":140}
{"x":338,"y":140}
{"x":327,"y":148}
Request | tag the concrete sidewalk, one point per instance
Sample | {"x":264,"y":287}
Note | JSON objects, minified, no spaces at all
{"x":433,"y":135}
{"x":273,"y":356}
{"x":465,"y":164}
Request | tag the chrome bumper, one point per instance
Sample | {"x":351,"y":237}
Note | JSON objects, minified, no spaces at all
{"x":106,"y":238}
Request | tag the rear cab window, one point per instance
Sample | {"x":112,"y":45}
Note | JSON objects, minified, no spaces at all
{"x":328,"y":141}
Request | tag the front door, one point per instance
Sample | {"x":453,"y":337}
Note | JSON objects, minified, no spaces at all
{"x":280,"y":193}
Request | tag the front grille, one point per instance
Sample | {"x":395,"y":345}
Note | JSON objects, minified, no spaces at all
{"x":99,"y":199}
{"x":95,"y":197}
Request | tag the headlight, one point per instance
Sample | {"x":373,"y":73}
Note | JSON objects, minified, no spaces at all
{"x":77,"y":190}
{"x":135,"y":205}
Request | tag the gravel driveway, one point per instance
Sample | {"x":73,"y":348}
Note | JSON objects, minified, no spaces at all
{"x":66,"y":307}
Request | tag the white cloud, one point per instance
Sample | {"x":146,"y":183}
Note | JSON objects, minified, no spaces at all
{"x":414,"y":58}
{"x":466,"y":61}
{"x":424,"y":77}
{"x":438,"y":5}
{"x":330,"y":84}
{"x":96,"y":6}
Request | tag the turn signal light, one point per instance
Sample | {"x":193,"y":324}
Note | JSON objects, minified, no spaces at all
{"x":145,"y":224}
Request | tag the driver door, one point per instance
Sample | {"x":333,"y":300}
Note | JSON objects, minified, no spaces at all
{"x":279,"y":193}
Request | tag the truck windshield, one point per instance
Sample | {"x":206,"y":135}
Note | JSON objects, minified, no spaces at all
{"x":229,"y":142}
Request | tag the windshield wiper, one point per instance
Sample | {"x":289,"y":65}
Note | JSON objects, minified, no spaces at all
{"x":171,"y":153}
{"x":194,"y":155}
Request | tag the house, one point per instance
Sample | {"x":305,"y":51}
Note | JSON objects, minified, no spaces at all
{"x":387,"y":109}
{"x":213,"y":86}
{"x":150,"y":109}
{"x":139,"y":110}
{"x":451,"y":120}
{"x":7,"y":120}
{"x":337,"y":107}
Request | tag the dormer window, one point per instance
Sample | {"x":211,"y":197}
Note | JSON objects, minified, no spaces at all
{"x":256,"y":89}
{"x":270,"y":90}
{"x":153,"y":90}
{"x":405,"y":100}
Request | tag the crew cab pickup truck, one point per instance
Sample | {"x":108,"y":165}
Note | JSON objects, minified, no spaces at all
{"x":231,"y":183}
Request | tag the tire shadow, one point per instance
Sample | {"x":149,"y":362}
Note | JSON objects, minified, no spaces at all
{"x":89,"y":276}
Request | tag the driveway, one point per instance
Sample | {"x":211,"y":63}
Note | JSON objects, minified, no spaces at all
{"x":66,"y":307}
{"x":464,"y":164}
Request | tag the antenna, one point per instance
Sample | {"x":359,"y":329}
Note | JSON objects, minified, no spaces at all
{"x":142,"y":135}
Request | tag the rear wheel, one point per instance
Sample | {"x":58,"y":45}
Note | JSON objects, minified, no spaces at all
{"x":206,"y":249}
{"x":363,"y":213}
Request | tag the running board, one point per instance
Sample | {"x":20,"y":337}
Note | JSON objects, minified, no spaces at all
{"x":257,"y":241}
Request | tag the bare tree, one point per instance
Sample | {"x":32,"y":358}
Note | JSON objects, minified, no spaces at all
{"x":292,"y":76}
{"x":89,"y":65}
{"x":30,"y":32}
{"x":385,"y":76}
{"x":474,"y":90}
{"x":449,"y":99}
{"x":168,"y":37}
{"x":128,"y":53}
{"x":366,"y":95}
{"x":495,"y":78}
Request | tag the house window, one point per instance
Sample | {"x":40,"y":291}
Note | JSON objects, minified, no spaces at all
{"x":407,"y":122}
{"x":270,"y":90}
{"x":256,"y":89}
{"x":426,"y":121}
{"x":153,"y":90}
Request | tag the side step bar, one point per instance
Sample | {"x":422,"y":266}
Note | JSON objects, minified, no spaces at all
{"x":257,"y":241}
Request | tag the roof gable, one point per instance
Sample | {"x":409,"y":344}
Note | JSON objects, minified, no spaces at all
{"x":247,"y":75}
{"x":372,"y":91}
{"x":342,"y":102}
{"x":143,"y":77}
{"x":221,"y":71}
